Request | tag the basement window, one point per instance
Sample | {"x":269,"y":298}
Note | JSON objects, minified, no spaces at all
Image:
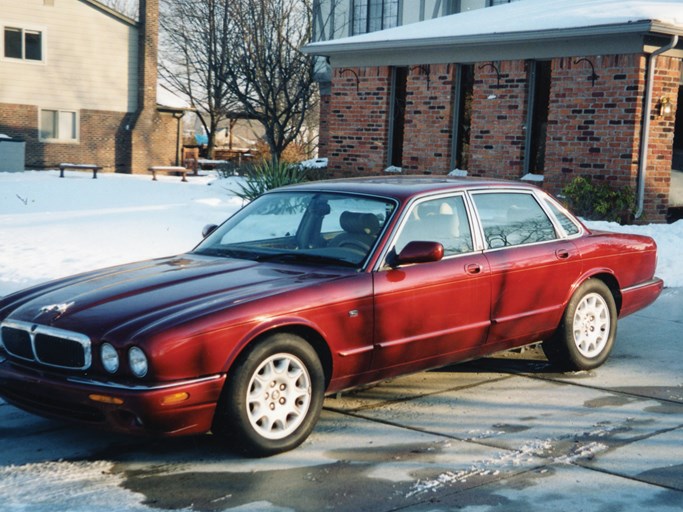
{"x":23,"y":44}
{"x":58,"y":125}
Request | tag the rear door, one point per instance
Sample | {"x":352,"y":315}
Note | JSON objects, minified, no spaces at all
{"x":532,"y":265}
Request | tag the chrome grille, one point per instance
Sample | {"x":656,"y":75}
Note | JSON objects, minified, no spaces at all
{"x":46,"y":345}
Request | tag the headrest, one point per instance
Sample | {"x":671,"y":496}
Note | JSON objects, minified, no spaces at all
{"x":361,"y":223}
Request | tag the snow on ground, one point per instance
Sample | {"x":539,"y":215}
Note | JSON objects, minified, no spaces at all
{"x":52,"y":227}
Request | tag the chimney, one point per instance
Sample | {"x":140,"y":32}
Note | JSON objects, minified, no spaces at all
{"x":148,"y":47}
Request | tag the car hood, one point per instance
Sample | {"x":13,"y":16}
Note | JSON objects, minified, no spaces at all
{"x":129,"y":300}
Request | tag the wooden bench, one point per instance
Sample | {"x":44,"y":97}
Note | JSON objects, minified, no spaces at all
{"x":170,"y":169}
{"x":79,"y":167}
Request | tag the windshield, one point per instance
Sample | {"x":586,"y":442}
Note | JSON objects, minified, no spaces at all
{"x":306,"y":227}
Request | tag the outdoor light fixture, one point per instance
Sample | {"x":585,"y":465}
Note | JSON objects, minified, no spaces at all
{"x":493,"y":66}
{"x":347,"y":70}
{"x":664,"y":107}
{"x":592,"y":77}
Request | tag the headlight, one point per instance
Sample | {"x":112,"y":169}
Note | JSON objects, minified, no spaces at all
{"x":109,"y":357}
{"x":137,"y":361}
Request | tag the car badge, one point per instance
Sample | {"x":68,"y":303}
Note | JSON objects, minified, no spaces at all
{"x":60,"y":309}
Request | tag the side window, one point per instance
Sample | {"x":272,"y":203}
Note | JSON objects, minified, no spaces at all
{"x":512,"y":219}
{"x":23,"y":44}
{"x":442,"y":220}
{"x":567,"y":224}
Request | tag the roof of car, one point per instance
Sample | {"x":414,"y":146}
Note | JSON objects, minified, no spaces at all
{"x":403,"y":187}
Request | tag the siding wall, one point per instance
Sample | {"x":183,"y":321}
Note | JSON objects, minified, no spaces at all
{"x":90,"y":58}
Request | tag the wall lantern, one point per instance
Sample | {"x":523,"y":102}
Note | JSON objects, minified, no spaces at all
{"x":664,"y":107}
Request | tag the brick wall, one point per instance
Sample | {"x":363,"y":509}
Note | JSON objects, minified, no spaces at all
{"x":359,"y":121}
{"x":498,"y":118}
{"x":594,"y":128}
{"x":101,"y":138}
{"x":429,"y":119}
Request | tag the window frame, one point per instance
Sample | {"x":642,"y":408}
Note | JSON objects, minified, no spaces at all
{"x":560,"y":234}
{"x":369,"y":6}
{"x":24,"y":30}
{"x":59,"y":111}
{"x":403,"y":220}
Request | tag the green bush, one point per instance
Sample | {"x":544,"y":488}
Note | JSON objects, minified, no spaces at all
{"x":598,"y":201}
{"x":267,"y":176}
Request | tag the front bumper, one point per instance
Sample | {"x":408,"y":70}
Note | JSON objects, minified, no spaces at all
{"x":178,"y":408}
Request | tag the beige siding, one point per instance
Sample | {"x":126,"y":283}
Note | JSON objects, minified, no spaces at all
{"x":89,"y":58}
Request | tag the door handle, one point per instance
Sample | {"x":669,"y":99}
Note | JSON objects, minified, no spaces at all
{"x":473,"y":268}
{"x":562,"y":254}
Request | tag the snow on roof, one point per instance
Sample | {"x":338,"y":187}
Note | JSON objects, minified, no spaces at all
{"x":527,"y":16}
{"x":169,"y":99}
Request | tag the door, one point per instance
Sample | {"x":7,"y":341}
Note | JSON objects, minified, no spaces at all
{"x":432,"y":314}
{"x":532,"y":268}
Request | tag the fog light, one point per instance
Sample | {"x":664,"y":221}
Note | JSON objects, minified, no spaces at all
{"x":137,"y":361}
{"x":175,"y":398}
{"x":106,"y":399}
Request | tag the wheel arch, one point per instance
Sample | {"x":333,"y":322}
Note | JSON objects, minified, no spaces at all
{"x":611,"y":282}
{"x":307,"y":333}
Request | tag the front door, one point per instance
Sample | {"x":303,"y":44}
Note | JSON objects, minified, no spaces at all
{"x":432,"y":314}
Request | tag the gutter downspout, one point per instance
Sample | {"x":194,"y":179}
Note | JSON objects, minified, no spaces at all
{"x":644,"y":141}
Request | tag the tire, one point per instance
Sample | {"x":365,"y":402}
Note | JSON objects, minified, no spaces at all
{"x":586,"y":335}
{"x":272,"y":398}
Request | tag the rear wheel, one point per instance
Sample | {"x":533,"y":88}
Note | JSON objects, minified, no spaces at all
{"x":273,"y":396}
{"x":586,"y":335}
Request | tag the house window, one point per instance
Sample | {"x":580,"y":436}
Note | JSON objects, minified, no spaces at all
{"x":462,"y":116}
{"x":58,"y":125}
{"x":397,"y":115}
{"x":23,"y":44}
{"x":372,"y":15}
{"x":539,"y":78}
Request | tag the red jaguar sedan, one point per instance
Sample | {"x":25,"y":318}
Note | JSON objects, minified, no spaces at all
{"x":316,"y":288}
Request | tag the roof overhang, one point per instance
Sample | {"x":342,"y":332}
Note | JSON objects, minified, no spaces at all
{"x":627,"y":38}
{"x":111,"y":12}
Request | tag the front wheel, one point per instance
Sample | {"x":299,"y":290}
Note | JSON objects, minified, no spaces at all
{"x":586,"y":334}
{"x":273,"y":396}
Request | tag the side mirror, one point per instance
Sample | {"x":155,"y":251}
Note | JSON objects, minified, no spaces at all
{"x":419,"y":252}
{"x":208,"y":229}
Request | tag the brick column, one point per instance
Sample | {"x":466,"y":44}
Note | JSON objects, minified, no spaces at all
{"x":429,"y":119}
{"x":498,"y":120}
{"x":359,"y":121}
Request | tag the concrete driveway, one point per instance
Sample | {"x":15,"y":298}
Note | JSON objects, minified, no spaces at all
{"x":503,"y":433}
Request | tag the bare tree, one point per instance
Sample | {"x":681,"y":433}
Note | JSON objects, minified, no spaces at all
{"x":195,"y":49}
{"x":126,"y":7}
{"x":273,"y":81}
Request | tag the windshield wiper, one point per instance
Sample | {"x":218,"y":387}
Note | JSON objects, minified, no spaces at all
{"x":303,"y":257}
{"x":228,"y":253}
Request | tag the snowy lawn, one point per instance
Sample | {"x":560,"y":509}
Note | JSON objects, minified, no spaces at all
{"x":52,"y":227}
